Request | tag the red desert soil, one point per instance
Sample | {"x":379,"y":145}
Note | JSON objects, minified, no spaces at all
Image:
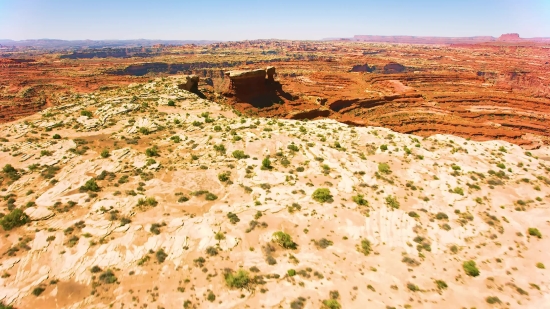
{"x":498,"y":90}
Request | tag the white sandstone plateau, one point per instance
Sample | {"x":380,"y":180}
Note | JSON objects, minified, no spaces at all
{"x":157,"y":234}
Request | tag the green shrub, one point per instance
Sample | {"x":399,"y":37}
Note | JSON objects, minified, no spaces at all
{"x":293,"y":147}
{"x":14,"y":219}
{"x":331,"y":304}
{"x":161,"y":255}
{"x":105,"y":153}
{"x":171,"y":103}
{"x":365,"y":247}
{"x":211,"y":297}
{"x":441,"y":216}
{"x":442,"y":285}
{"x":152,"y":152}
{"x":470,"y":268}
{"x":413,"y":287}
{"x":384,"y":147}
{"x":56,"y":136}
{"x":493,"y":300}
{"x":238,"y":280}
{"x":108,"y":277}
{"x":37,"y":291}
{"x":392,"y":202}
{"x":266,"y":163}
{"x":458,"y":190}
{"x":322,"y":195}
{"x":239,"y":154}
{"x":359,"y":200}
{"x":233,"y":218}
{"x":223,"y":177}
{"x":86,"y":113}
{"x":291,"y":272}
{"x":540,"y":265}
{"x":284,"y":240}
{"x":534,"y":232}
{"x":384,"y":168}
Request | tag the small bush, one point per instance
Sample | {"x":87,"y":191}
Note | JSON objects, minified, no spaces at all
{"x":442,"y":285}
{"x":284,"y":240}
{"x":392,"y":202}
{"x":441,"y":216}
{"x":108,"y":277}
{"x":86,"y":113}
{"x":331,"y":304}
{"x":291,"y":272}
{"x":14,"y":219}
{"x":105,"y":153}
{"x":534,"y":232}
{"x":360,"y":200}
{"x":540,"y":265}
{"x":211,"y":297}
{"x":90,"y":185}
{"x":384,"y":168}
{"x":37,"y":291}
{"x":152,"y":152}
{"x":161,"y":255}
{"x":365,"y":247}
{"x":322,"y":195}
{"x":470,"y":268}
{"x":233,"y":218}
{"x":238,"y":280}
{"x":493,"y":300}
{"x":239,"y":154}
{"x":266,"y":164}
{"x":293,"y":147}
{"x":95,"y":269}
{"x":384,"y":147}
{"x":413,"y":287}
{"x":212,"y":251}
{"x":56,"y":136}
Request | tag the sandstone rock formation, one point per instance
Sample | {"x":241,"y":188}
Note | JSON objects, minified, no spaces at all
{"x":189,"y":83}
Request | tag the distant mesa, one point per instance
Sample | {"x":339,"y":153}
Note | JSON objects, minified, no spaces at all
{"x":509,"y":37}
{"x":393,"y":67}
{"x":362,"y":68}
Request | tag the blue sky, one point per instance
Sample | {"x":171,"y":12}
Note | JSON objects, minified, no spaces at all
{"x":283,"y":19}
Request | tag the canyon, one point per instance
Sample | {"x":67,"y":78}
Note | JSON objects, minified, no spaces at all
{"x":480,"y":88}
{"x":276,"y":174}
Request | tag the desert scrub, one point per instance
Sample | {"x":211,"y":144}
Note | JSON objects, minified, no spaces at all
{"x":360,"y":200}
{"x":108,"y":277}
{"x":239,"y":154}
{"x":322,"y":195}
{"x":384,"y":168}
{"x":284,"y":240}
{"x":365,"y":247}
{"x":441,"y":285}
{"x":470,"y":268}
{"x":90,"y":185}
{"x":534,"y":232}
{"x":238,"y":280}
{"x":392,"y":202}
{"x":161,"y":255}
{"x":105,"y":153}
{"x":14,"y":219}
{"x":152,"y":152}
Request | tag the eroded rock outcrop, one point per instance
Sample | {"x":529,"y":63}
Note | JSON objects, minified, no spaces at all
{"x":189,"y":83}
{"x":245,"y":86}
